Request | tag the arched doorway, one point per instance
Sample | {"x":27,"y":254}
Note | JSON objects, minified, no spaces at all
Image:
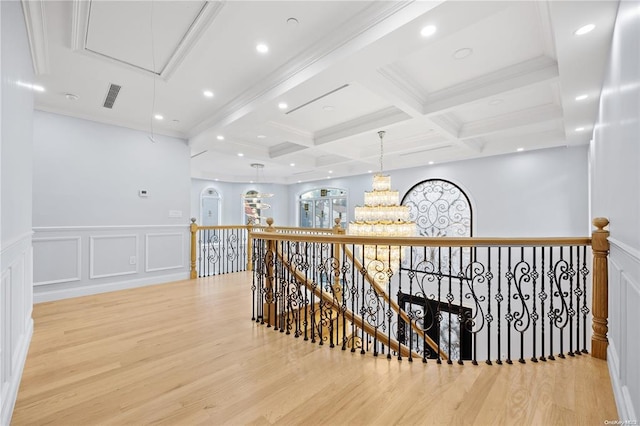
{"x":210,"y":207}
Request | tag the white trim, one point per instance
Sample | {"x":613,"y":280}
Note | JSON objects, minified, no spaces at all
{"x":36,"y":23}
{"x":80,"y":29}
{"x":92,"y":238}
{"x":19,"y":239}
{"x":47,"y":296}
{"x":146,"y":252}
{"x":79,"y":260}
{"x":632,"y":252}
{"x":621,"y":395}
{"x":14,"y":384}
{"x":104,"y":227}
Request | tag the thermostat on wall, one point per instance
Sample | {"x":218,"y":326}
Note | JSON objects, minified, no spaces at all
{"x":143,"y":193}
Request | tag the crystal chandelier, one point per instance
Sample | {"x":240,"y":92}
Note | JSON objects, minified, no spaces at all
{"x":382,"y":216}
{"x":253,"y":200}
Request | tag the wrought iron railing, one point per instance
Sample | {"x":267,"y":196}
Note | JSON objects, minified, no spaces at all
{"x":448,"y":299}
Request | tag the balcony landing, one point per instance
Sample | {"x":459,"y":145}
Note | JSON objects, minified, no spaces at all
{"x":187,"y":353}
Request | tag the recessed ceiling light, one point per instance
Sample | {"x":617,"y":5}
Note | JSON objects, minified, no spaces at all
{"x":261,"y":136}
{"x":240,"y":154}
{"x":220,"y":137}
{"x":282,"y":105}
{"x":299,"y":181}
{"x":330,"y":171}
{"x":369,"y":171}
{"x":216,"y":180}
{"x":327,"y":108}
{"x":158,"y":117}
{"x":520,"y":149}
{"x":328,"y":177}
{"x":292,"y":164}
{"x":463,"y":53}
{"x":292,"y":22}
{"x":250,"y":181}
{"x":495,"y":102}
{"x":579,"y":129}
{"x":581,"y":97}
{"x":584,"y":29}
{"x":430,"y":162}
{"x":262,"y":48}
{"x":208,"y":93}
{"x":71,"y":96}
{"x":428,"y":31}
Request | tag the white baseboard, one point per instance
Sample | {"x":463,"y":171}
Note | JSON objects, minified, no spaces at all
{"x":42,"y":295}
{"x":16,"y":375}
{"x":624,"y":404}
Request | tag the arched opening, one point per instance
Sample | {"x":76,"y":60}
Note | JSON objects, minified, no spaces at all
{"x":210,"y":207}
{"x":319,"y":207}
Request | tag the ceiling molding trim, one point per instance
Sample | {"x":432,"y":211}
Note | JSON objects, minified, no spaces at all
{"x":409,"y":87}
{"x":546,"y":29}
{"x":113,"y":122}
{"x":350,"y":37}
{"x":510,"y":121}
{"x":80,"y":28}
{"x":284,"y":149}
{"x":369,"y":122}
{"x":533,"y":71}
{"x":79,"y":24}
{"x":207,"y":15}
{"x":306,"y":136}
{"x":36,"y":24}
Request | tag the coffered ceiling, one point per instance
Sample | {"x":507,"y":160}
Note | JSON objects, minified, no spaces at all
{"x":488,"y":78}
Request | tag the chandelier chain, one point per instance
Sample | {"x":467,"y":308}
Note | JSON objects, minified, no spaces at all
{"x":381,"y":133}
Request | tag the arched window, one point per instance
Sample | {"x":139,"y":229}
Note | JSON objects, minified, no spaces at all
{"x":210,"y":207}
{"x":319,"y":207}
{"x":440,"y":209}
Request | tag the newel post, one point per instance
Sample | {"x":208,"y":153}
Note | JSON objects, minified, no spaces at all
{"x":249,"y":248}
{"x":600,"y":300}
{"x":194,"y":240}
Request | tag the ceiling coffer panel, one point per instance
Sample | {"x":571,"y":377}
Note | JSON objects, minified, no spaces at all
{"x":284,"y":149}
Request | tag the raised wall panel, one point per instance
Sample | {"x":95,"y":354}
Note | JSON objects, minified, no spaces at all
{"x":6,"y":319}
{"x":17,"y":291}
{"x":631,"y":341}
{"x":164,"y":251}
{"x":57,"y":260}
{"x":111,"y":255}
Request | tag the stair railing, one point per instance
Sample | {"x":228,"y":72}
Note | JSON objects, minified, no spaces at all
{"x":451,"y":299}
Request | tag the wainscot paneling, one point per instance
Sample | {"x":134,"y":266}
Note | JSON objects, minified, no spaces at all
{"x":624,"y":345}
{"x":164,"y":251}
{"x":16,"y":325}
{"x":58,"y":259}
{"x":113,"y":255}
{"x":75,"y":261}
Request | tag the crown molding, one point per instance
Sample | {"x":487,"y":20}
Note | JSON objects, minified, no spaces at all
{"x":36,"y":24}
{"x":80,"y":28}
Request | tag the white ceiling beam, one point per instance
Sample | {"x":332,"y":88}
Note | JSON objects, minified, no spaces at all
{"x":511,"y":121}
{"x":390,"y":84}
{"x":293,"y":134}
{"x":366,"y":123}
{"x":507,"y":79}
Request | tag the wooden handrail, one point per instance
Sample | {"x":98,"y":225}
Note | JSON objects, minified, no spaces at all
{"x":429,"y":241}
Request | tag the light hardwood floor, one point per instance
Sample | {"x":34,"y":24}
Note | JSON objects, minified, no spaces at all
{"x":187,"y":353}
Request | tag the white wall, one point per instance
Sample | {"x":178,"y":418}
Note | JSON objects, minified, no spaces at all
{"x":615,"y":183}
{"x":16,"y":116}
{"x":93,"y":232}
{"x":530,"y":194}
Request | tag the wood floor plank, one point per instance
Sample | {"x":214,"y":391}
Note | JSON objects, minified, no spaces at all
{"x":186,"y":353}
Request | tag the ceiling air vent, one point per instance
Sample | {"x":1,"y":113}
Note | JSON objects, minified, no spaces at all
{"x":112,"y":94}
